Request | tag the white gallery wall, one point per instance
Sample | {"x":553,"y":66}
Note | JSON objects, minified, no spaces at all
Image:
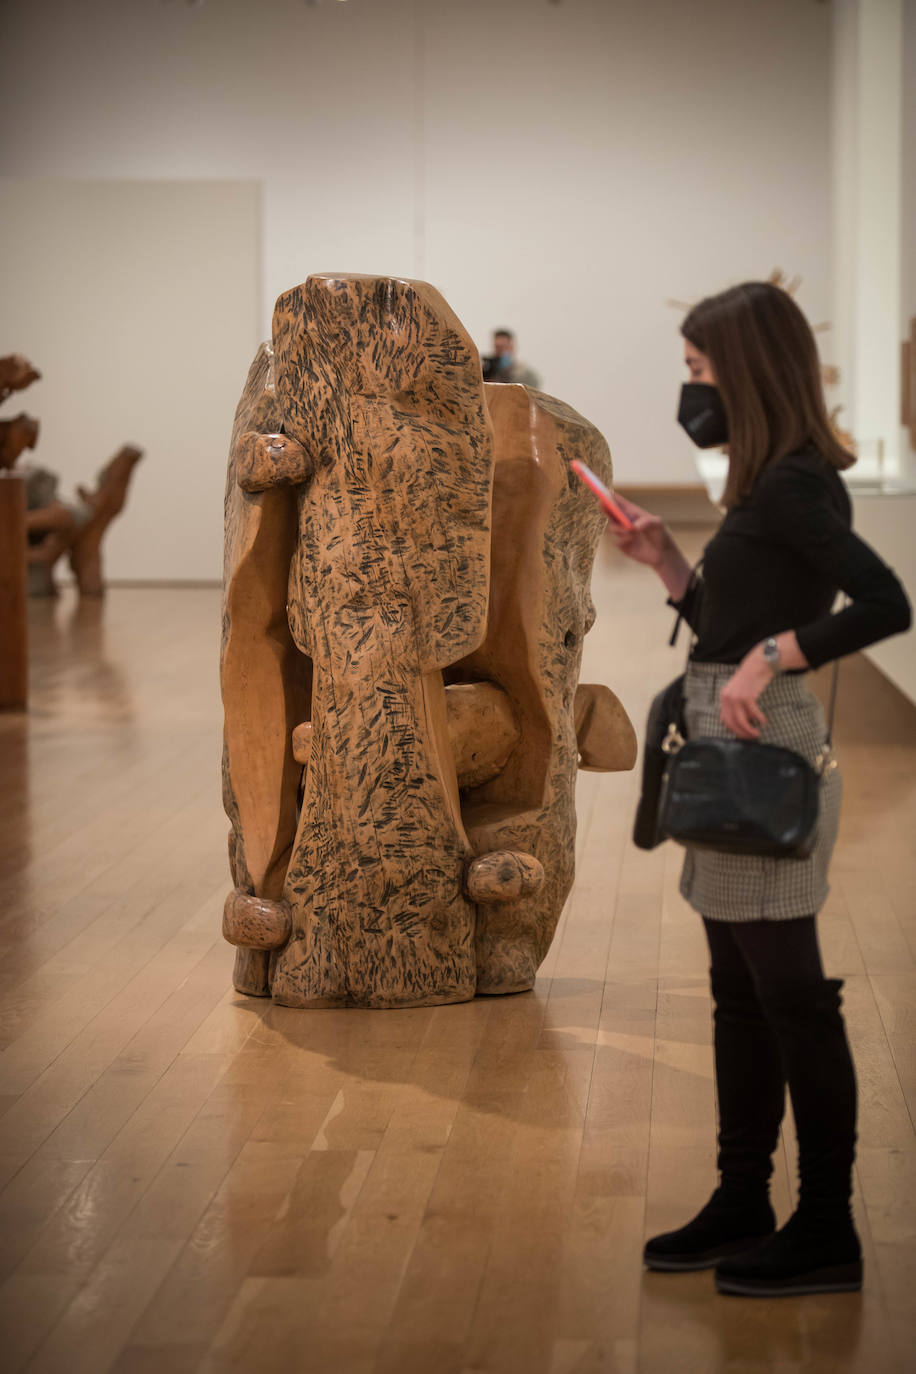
{"x":908,"y":197}
{"x":874,"y":168}
{"x":139,"y":301}
{"x":562,"y":168}
{"x":875,"y":268}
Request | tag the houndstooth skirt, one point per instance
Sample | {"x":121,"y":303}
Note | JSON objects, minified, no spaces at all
{"x":739,"y":887}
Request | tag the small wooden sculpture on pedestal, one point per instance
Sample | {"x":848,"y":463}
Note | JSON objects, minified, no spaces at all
{"x":76,"y":528}
{"x":406,"y":594}
{"x":55,"y":527}
{"x":16,"y":373}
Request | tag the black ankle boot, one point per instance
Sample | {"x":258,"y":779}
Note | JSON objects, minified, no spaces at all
{"x":809,"y":1255}
{"x":726,"y":1225}
{"x":817,"y":1251}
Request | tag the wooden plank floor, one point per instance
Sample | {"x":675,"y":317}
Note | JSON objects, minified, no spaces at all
{"x":195,"y":1181}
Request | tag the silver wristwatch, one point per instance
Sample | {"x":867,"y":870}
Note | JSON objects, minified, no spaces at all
{"x":772,"y":655}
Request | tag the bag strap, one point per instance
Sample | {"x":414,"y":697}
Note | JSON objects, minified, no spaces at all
{"x":692,"y":580}
{"x":831,"y":712}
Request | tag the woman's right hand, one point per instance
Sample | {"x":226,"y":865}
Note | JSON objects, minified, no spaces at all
{"x":649,"y":541}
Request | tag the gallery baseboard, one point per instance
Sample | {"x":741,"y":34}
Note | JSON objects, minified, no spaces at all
{"x":140,"y":582}
{"x":676,"y":504}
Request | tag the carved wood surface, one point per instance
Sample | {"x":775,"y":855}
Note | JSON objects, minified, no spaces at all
{"x":482,"y":730}
{"x":432,"y":656}
{"x":380,"y":384}
{"x":380,"y":395}
{"x":255,"y":923}
{"x":548,"y":528}
{"x":604,"y":731}
{"x":265,"y":680}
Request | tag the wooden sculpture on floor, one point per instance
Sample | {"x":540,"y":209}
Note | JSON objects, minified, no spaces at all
{"x":406,"y":595}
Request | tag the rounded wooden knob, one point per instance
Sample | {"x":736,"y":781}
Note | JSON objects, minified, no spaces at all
{"x":604,"y":731}
{"x":255,"y":922}
{"x":302,"y":742}
{"x":503,"y":875}
{"x":482,"y":729}
{"x":270,"y":460}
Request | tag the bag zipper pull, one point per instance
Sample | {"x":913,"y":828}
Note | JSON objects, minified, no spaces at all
{"x":673,"y":741}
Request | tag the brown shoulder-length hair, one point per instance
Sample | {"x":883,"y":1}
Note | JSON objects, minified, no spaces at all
{"x":765,"y":359}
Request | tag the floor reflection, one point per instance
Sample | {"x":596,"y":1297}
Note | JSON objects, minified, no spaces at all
{"x":68,"y":640}
{"x":719,"y":1334}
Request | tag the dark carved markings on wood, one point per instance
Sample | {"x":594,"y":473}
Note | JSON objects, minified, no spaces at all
{"x":362,"y":466}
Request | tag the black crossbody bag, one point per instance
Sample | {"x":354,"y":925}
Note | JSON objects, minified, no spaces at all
{"x":666,"y":714}
{"x":735,"y":796}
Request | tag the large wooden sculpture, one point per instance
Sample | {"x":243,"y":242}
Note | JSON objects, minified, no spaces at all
{"x":407,"y":568}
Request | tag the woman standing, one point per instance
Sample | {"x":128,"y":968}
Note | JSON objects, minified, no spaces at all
{"x":762,"y":613}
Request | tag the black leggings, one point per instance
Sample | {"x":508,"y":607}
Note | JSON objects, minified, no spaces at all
{"x":778,"y":1021}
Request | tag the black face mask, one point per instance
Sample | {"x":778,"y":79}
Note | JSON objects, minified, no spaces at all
{"x":702,"y":414}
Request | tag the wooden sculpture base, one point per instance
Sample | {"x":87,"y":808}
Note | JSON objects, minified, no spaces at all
{"x":14,"y":666}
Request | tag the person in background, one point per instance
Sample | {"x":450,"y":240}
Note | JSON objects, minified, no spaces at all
{"x":503,"y":365}
{"x":763,"y":614}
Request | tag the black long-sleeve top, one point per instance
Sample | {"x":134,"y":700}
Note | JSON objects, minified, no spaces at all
{"x":777,"y":562}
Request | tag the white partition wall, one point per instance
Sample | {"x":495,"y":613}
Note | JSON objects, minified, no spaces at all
{"x":908,"y":196}
{"x":870,"y":163}
{"x":140,"y":301}
{"x":563,"y":169}
{"x":887,"y":523}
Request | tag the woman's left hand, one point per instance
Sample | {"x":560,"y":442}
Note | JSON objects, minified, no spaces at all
{"x":738,"y":709}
